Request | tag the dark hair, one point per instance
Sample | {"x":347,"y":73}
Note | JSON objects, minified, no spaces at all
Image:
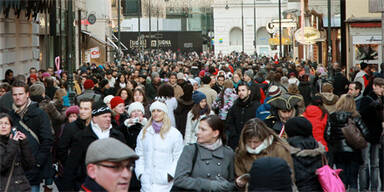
{"x":8,"y":72}
{"x":129,"y":93}
{"x":173,"y":74}
{"x":196,"y":109}
{"x":166,"y":90}
{"x":21,"y":84}
{"x":20,"y":78}
{"x":86,"y":100}
{"x":357,"y":84}
{"x":221,"y":76}
{"x":216,"y":124}
{"x":378,"y":81}
{"x":133,"y":82}
{"x":318,"y":101}
{"x":206,"y":79}
{"x":49,"y":82}
{"x":188,"y":91}
{"x":242,"y":83}
{"x":2,"y":115}
{"x":141,"y":91}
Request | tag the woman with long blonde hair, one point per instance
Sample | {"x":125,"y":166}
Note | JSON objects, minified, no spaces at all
{"x":159,"y":146}
{"x":344,"y":156}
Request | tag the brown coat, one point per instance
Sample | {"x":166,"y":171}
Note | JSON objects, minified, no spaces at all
{"x":178,"y":91}
{"x":243,"y":164}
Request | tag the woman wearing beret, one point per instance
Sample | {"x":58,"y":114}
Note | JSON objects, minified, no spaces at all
{"x":206,"y":165}
{"x":159,"y":146}
{"x":199,"y":110}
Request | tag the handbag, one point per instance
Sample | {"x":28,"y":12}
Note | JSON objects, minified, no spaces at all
{"x":329,"y":178}
{"x":353,"y":135}
{"x":179,"y":189}
{"x":10,"y":175}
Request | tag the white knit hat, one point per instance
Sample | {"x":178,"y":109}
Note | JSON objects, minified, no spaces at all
{"x":136,"y":106}
{"x":159,"y":105}
{"x":107,"y":99}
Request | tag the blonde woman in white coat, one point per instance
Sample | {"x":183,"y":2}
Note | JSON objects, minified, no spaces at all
{"x":199,"y":110}
{"x":159,"y":146}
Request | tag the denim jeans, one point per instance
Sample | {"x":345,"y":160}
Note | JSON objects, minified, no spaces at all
{"x":35,"y":188}
{"x":369,"y":170}
{"x":349,"y":174}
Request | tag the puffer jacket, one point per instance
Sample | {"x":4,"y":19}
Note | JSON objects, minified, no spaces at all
{"x":19,"y":151}
{"x":313,"y":114}
{"x":333,"y":134}
{"x":329,"y":100}
{"x":306,"y":154}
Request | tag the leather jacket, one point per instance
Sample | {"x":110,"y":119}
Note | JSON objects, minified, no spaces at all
{"x":335,"y":137}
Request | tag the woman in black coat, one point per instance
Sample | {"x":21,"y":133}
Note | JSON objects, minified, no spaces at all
{"x":14,"y":152}
{"x":344,"y":156}
{"x":306,"y":153}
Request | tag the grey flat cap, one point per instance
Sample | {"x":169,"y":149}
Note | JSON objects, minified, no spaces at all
{"x":108,"y":149}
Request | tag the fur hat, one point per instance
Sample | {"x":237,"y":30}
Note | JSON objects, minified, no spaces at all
{"x":198,"y":96}
{"x":136,"y":106}
{"x":298,"y":126}
{"x":37,"y":89}
{"x":159,"y":105}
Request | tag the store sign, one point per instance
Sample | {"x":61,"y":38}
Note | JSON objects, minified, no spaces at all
{"x":94,"y":52}
{"x":366,"y":39}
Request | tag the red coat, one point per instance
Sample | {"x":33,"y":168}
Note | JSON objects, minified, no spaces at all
{"x":313,"y":114}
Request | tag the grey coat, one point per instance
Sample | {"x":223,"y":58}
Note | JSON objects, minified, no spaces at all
{"x":208,"y":167}
{"x":88,"y":93}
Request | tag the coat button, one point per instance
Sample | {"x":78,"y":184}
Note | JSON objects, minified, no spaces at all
{"x":218,"y":164}
{"x":208,"y":175}
{"x":207,"y":162}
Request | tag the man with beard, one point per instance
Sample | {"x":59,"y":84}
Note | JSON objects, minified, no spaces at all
{"x":242,"y":110}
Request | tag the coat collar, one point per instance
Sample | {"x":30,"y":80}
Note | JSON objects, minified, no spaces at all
{"x":207,"y":154}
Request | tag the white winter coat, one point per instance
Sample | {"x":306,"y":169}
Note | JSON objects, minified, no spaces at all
{"x":157,"y":158}
{"x":191,"y":128}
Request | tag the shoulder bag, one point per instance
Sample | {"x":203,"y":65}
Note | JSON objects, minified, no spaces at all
{"x":353,"y":135}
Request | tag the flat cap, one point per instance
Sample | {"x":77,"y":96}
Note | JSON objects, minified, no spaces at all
{"x":109,"y":149}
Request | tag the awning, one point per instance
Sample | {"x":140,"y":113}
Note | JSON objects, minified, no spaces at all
{"x":95,"y":38}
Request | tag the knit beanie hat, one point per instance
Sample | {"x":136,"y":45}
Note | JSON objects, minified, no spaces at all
{"x":107,"y":99}
{"x":100,"y":108}
{"x":72,"y":109}
{"x":37,"y":89}
{"x":298,"y":126}
{"x":249,"y":73}
{"x":197,"y":96}
{"x":159,"y":105}
{"x":88,"y":84}
{"x":274,"y":91}
{"x":46,"y":74}
{"x":180,"y":75}
{"x":136,"y":106}
{"x":116,"y":101}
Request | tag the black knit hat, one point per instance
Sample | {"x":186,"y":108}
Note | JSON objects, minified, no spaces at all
{"x":100,"y":108}
{"x":103,"y":83}
{"x":298,"y":126}
{"x":270,"y":174}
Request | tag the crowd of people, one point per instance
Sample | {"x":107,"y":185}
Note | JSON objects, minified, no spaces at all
{"x":173,"y":121}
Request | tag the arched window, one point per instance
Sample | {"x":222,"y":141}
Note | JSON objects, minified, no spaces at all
{"x":235,"y":36}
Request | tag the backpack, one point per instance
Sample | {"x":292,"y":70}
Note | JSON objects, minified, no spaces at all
{"x":353,"y":135}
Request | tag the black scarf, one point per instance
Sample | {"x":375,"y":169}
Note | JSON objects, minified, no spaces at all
{"x":244,"y":102}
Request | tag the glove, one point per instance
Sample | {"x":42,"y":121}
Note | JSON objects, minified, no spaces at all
{"x":221,"y":184}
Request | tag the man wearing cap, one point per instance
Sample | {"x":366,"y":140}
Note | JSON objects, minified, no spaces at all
{"x":264,"y":110}
{"x":99,"y":128}
{"x":109,"y":164}
{"x":88,"y":92}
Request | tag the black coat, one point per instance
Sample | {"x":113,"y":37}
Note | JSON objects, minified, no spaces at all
{"x":38,"y":121}
{"x":181,"y":112}
{"x":335,"y":137}
{"x":67,"y":138}
{"x":18,"y":150}
{"x":74,"y":169}
{"x":90,"y":185}
{"x":371,"y":111}
{"x":238,"y":114}
{"x":306,"y":154}
{"x":305,"y":89}
{"x":340,"y":84}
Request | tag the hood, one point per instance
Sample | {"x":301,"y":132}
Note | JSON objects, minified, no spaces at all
{"x":312,"y":111}
{"x":329,"y":98}
{"x":307,"y":152}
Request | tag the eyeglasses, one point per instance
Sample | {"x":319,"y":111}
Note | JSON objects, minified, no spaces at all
{"x":119,"y":167}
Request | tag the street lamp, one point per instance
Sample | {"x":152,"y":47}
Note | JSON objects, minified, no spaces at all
{"x":280,"y":44}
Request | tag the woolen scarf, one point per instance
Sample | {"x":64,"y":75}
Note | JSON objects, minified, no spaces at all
{"x":157,"y":126}
{"x":213,"y":146}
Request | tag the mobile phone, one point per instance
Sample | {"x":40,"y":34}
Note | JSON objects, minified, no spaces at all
{"x":13,"y":131}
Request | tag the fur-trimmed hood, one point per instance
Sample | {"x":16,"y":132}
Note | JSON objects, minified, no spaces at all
{"x":328,"y":98}
{"x":307,"y":152}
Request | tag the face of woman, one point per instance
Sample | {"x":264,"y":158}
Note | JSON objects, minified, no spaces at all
{"x":124,"y":95}
{"x":5,"y":126}
{"x":129,"y":85}
{"x":136,"y":114}
{"x":203,"y":103}
{"x":195,"y":86}
{"x":122,"y":78}
{"x":138,"y":97}
{"x":253,"y":142}
{"x":120,"y":108}
{"x":157,"y":115}
{"x":205,"y":134}
{"x":72,"y":117}
{"x":236,"y":78}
